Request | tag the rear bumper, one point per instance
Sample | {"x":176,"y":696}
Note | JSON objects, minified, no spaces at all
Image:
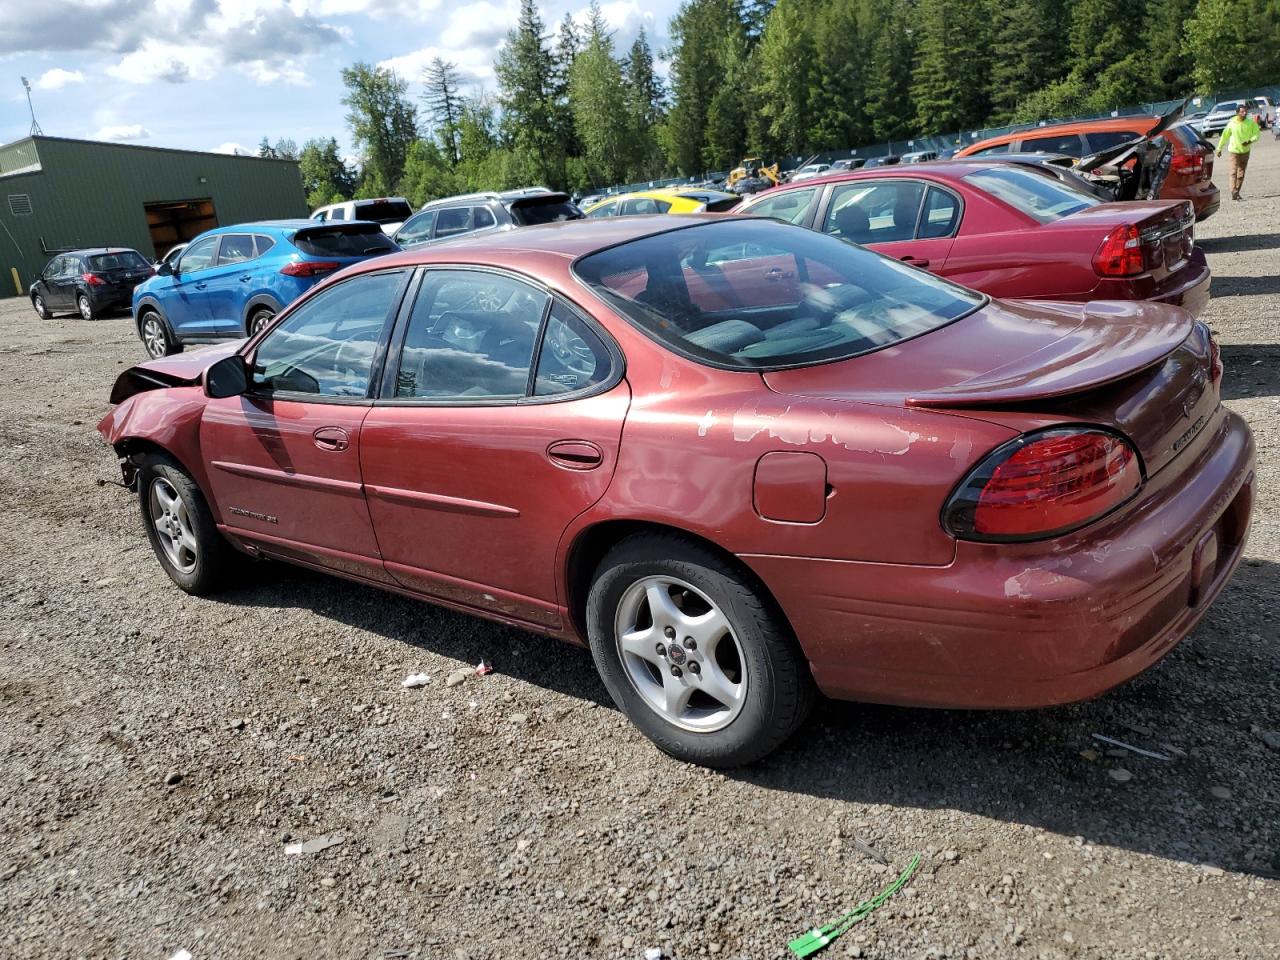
{"x":1030,"y":625}
{"x":118,"y":298}
{"x":1189,"y":287}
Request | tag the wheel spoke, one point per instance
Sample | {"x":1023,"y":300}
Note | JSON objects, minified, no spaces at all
{"x":662,"y":608}
{"x":713,"y":682}
{"x":676,"y":692}
{"x":188,"y":540}
{"x":643,"y":644}
{"x":707,"y":629}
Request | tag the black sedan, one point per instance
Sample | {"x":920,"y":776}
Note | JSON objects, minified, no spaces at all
{"x":89,"y":282}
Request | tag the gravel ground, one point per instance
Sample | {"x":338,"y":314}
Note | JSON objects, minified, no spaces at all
{"x":159,"y":752}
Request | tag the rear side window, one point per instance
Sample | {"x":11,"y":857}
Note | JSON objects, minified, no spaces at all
{"x":235,"y":248}
{"x":572,"y":357}
{"x":354,"y":240}
{"x":1106,"y":139}
{"x":791,"y":205}
{"x":604,"y":210}
{"x":338,"y":213}
{"x":988,"y":151}
{"x":452,"y":221}
{"x":537,"y":210}
{"x":383,"y":211}
{"x":1038,"y":196}
{"x":483,"y":218}
{"x":1066,"y":143}
{"x":123,"y":260}
{"x":941,"y":215}
{"x":263,"y":242}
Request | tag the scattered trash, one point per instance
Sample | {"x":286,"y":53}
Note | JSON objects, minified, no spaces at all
{"x":1222,"y":793}
{"x":483,"y":668}
{"x":456,"y":678}
{"x":867,"y":850}
{"x":182,"y":955}
{"x":1120,"y":774}
{"x":819,"y":938}
{"x":313,"y":846}
{"x":1131,"y":748}
{"x":655,"y":953}
{"x":415,"y":680}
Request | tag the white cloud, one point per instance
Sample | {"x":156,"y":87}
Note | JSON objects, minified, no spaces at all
{"x":126,"y":131}
{"x":235,"y":149}
{"x":471,"y":39}
{"x":57,"y":78}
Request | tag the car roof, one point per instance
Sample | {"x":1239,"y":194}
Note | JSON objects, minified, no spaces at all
{"x":90,"y":251}
{"x":942,"y":170}
{"x":1139,"y":122}
{"x":502,"y":196}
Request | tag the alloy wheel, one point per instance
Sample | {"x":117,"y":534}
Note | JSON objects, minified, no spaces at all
{"x":86,"y":308}
{"x":41,"y":310}
{"x":154,"y":337}
{"x":172,"y":524}
{"x":260,"y":320}
{"x":680,"y":653}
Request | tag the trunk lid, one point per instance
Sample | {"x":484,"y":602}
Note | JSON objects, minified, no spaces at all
{"x":1166,"y":230}
{"x":1141,"y":368}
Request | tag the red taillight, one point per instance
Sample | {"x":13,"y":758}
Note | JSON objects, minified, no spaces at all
{"x":1120,"y":254}
{"x":92,"y":279}
{"x":1044,"y":484}
{"x":1190,"y":164}
{"x":308,"y":268}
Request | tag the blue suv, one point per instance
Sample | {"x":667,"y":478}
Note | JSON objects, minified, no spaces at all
{"x":231,"y":281}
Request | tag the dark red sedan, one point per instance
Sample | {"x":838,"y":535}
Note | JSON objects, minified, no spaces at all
{"x":743,"y":461}
{"x":1007,"y":230}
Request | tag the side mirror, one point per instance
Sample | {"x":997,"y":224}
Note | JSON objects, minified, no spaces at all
{"x":164,"y":269}
{"x":229,"y":377}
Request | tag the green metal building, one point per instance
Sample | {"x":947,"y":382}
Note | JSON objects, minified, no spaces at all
{"x":58,"y":194}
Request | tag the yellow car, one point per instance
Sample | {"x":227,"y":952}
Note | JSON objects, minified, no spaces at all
{"x":664,"y":200}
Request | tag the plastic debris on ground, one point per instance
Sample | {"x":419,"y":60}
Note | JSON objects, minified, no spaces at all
{"x":483,"y":668}
{"x":415,"y":680}
{"x":655,"y":953}
{"x":867,"y":850}
{"x":182,"y":955}
{"x":819,"y":938}
{"x":1131,"y":748}
{"x":313,"y":846}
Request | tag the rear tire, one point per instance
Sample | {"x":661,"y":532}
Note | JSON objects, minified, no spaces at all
{"x":41,"y":308}
{"x":85,"y":307}
{"x":155,"y":336}
{"x":694,"y":653}
{"x":181,"y":528}
{"x":259,"y":319}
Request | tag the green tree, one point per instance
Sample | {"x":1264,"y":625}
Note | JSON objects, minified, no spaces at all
{"x":531,"y":118}
{"x":383,"y":124}
{"x":784,"y":68}
{"x":442,"y":98}
{"x":1168,"y":60}
{"x":888,"y":100}
{"x":730,"y":109}
{"x":282,"y":150}
{"x":951,"y":78}
{"x":643,"y":95}
{"x":598,"y":99}
{"x":326,"y":178}
{"x":838,"y":79}
{"x":1028,"y":51}
{"x":1234,"y":43}
{"x":428,"y":174}
{"x":707,"y":56}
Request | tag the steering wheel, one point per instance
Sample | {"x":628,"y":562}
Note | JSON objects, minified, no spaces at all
{"x":570,"y":350}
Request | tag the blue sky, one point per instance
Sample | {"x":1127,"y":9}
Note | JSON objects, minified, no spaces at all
{"x":221,"y":74}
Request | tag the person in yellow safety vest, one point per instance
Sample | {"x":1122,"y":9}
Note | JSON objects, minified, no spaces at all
{"x":1237,"y":139}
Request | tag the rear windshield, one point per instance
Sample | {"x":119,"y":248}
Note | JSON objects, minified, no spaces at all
{"x":343,"y":240}
{"x":124,"y":260}
{"x":1038,"y":196}
{"x":384,"y":211}
{"x":1227,"y":106}
{"x":722,"y":204}
{"x":1188,"y":136}
{"x":543,"y":210}
{"x":760,"y":294}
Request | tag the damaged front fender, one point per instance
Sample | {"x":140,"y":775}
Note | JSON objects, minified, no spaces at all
{"x":179,"y":370}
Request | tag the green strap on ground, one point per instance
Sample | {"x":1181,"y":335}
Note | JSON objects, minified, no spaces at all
{"x":819,"y":938}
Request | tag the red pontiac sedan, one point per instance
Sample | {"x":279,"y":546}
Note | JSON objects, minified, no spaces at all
{"x":1007,"y":230}
{"x":743,"y":461}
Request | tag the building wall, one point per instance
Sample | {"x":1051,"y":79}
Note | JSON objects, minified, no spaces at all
{"x":91,"y":194}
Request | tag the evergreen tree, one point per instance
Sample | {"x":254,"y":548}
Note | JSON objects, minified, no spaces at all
{"x":383,"y":124}
{"x":643,"y":94}
{"x":443,"y":101}
{"x":889,"y":111}
{"x":1028,"y":51}
{"x":728,"y":113}
{"x":599,"y":105}
{"x":950,"y":81}
{"x":784,"y":60}
{"x":531,"y":117}
{"x":428,"y":173}
{"x":838,"y":78}
{"x":1169,"y":61}
{"x":1233,"y":43}
{"x":1106,"y":51}
{"x":709,"y":85}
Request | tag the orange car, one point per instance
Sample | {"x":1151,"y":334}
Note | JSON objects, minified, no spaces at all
{"x":1190,"y":172}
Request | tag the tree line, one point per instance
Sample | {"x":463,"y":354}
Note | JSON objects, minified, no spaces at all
{"x":772,"y":78}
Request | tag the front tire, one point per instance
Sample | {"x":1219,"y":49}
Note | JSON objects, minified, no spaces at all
{"x":181,"y":528}
{"x":156,"y":337}
{"x":695,"y":655}
{"x":85,"y":307}
{"x":41,"y":308}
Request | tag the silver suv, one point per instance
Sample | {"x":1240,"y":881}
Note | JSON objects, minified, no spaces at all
{"x":475,"y":212}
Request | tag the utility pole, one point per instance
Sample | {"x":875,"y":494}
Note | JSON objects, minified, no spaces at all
{"x":35,"y":124}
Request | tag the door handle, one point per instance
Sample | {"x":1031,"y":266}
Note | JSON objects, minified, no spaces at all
{"x":246,"y":278}
{"x":777,"y":273}
{"x":201,"y":285}
{"x":914,"y":261}
{"x":575,"y":454}
{"x":333,"y":439}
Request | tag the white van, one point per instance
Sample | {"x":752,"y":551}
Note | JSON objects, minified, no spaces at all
{"x":388,"y":212}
